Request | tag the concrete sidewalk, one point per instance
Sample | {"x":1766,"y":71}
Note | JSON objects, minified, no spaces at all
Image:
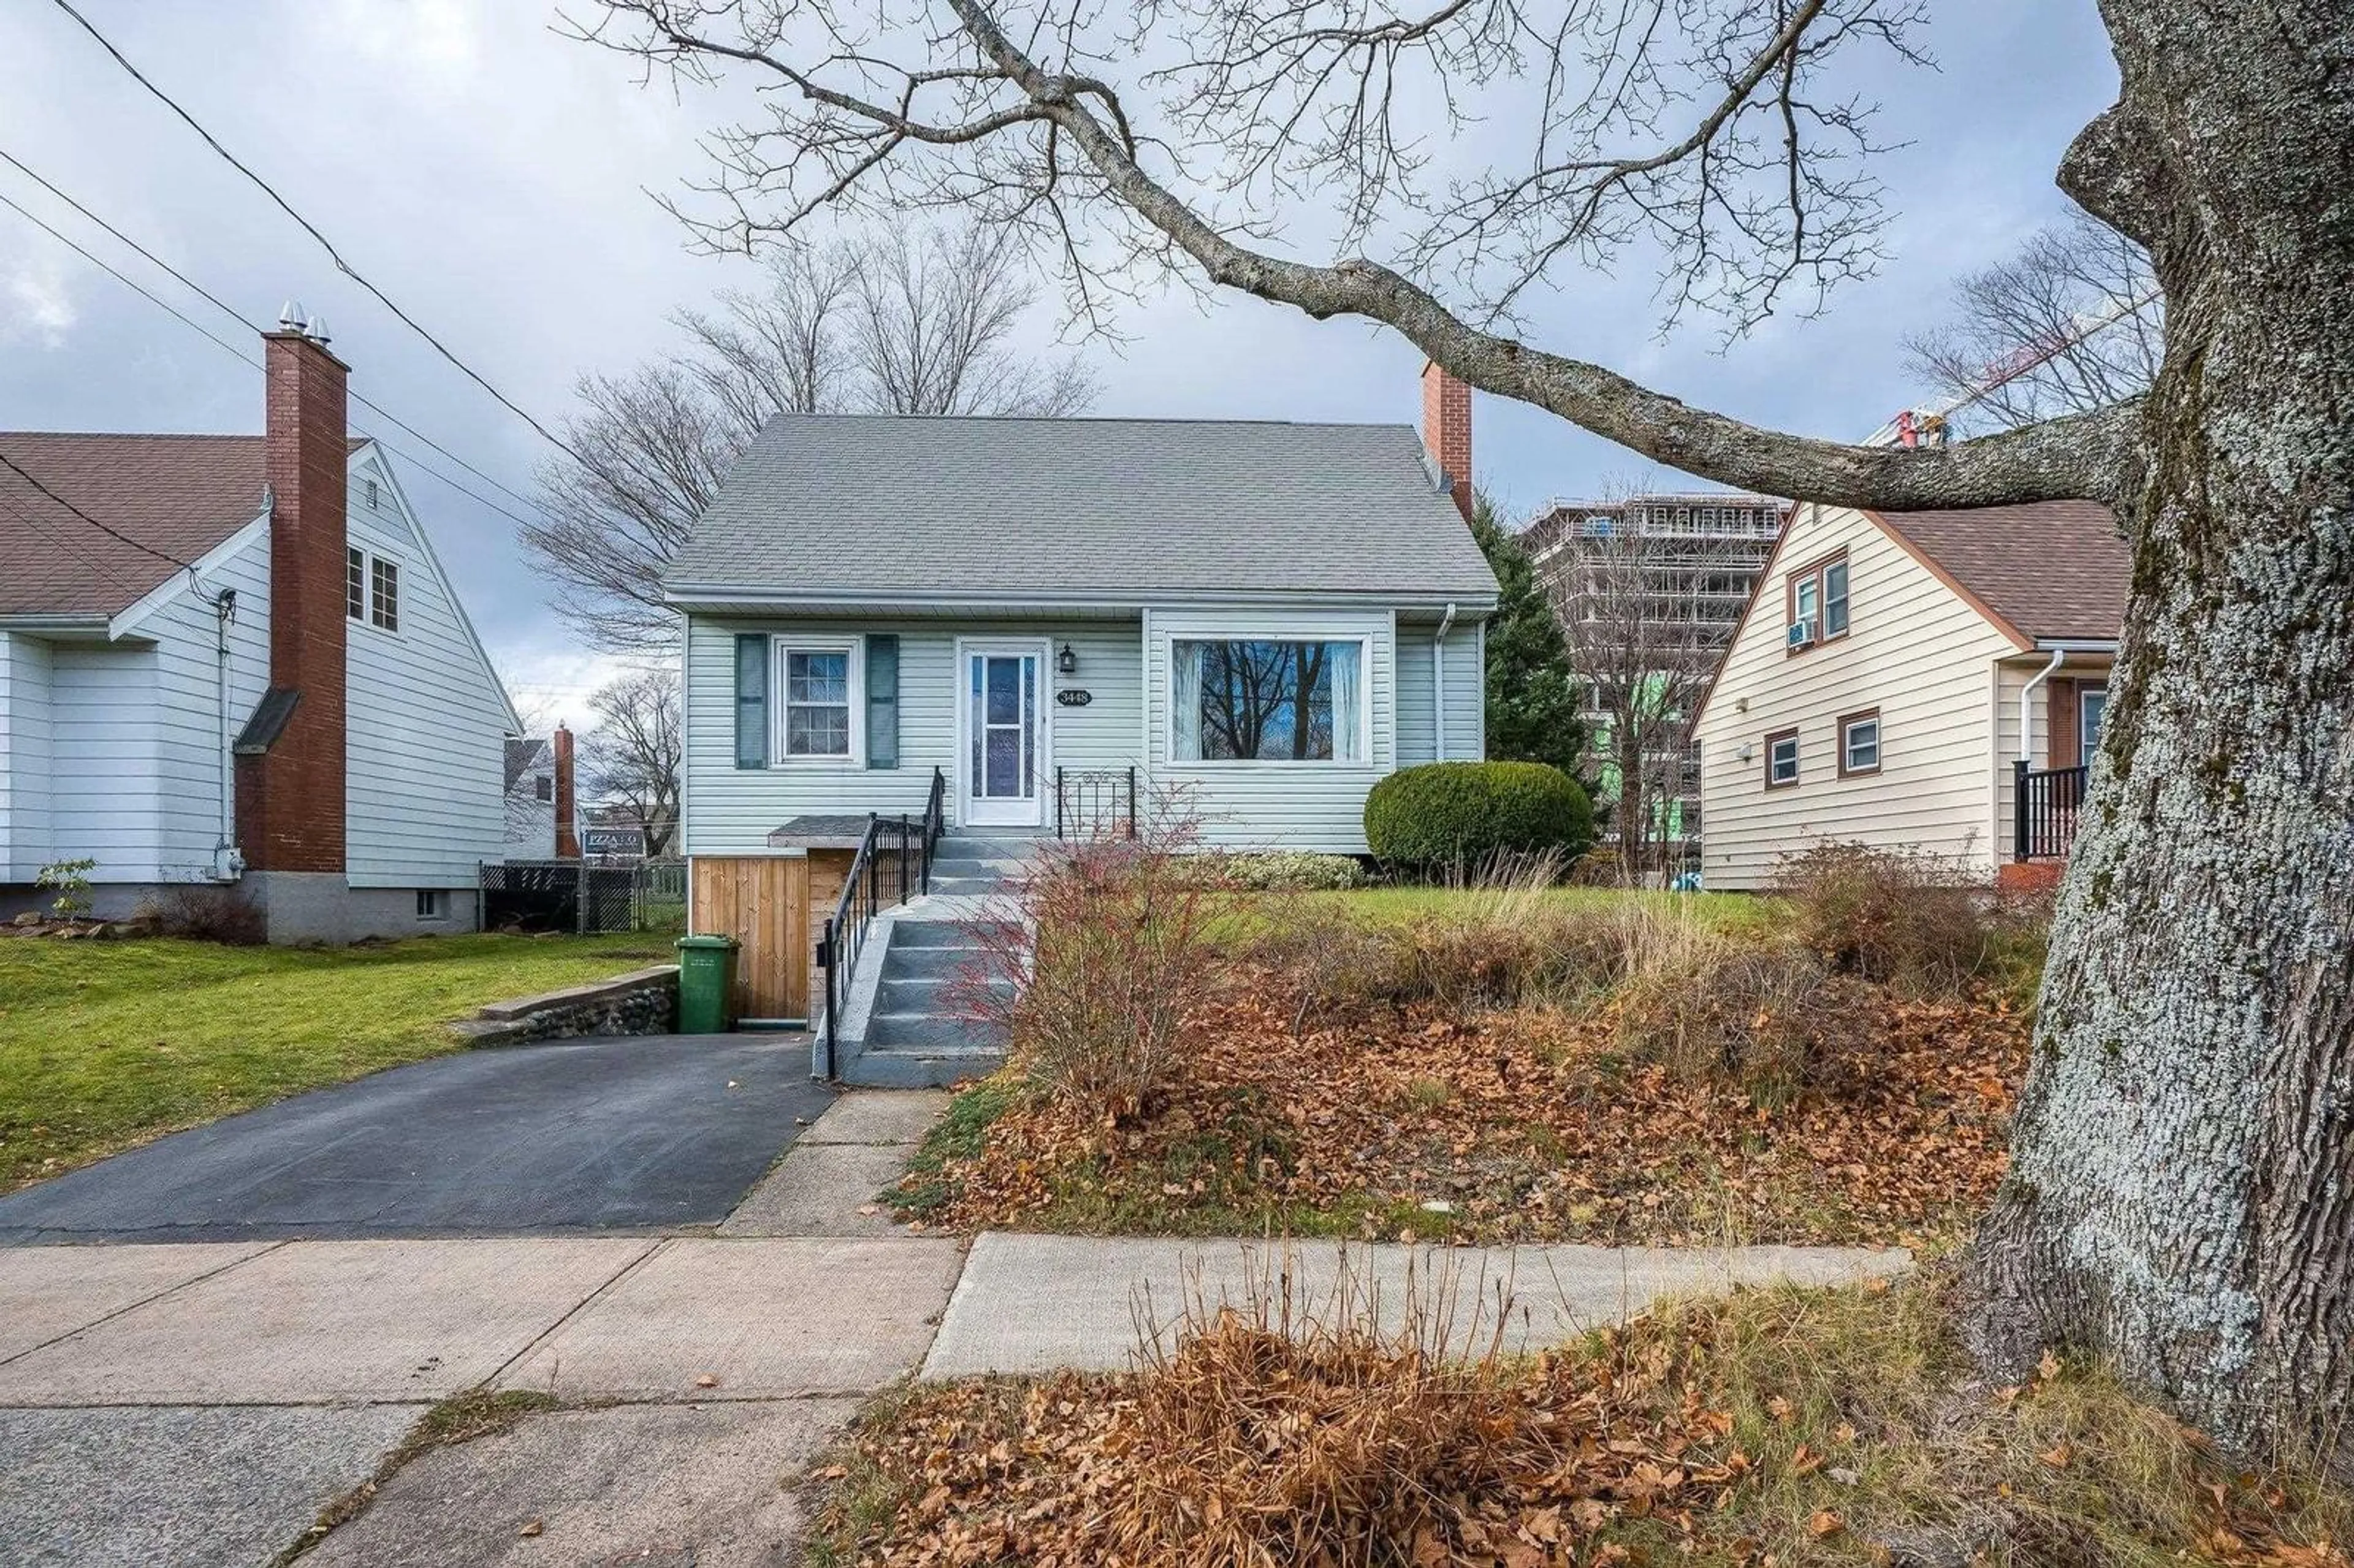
{"x":198,"y":1403}
{"x":1033,"y":1303}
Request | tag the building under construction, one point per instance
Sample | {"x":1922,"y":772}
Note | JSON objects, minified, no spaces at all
{"x":1648,"y":590}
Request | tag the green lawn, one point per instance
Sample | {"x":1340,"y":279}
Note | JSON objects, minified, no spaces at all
{"x":105,"y":1045}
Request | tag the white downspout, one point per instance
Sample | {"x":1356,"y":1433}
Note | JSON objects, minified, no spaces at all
{"x":2026,"y":709}
{"x":1438,"y":684}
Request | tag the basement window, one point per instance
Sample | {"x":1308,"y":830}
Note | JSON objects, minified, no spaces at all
{"x":433,"y":904}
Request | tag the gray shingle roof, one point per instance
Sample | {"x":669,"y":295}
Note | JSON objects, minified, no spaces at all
{"x":1127,"y":509}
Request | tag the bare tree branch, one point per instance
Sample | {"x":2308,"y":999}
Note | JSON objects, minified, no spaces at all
{"x":2018,"y":348}
{"x":912,"y":323}
{"x":632,"y":757}
{"x":1751,"y":183}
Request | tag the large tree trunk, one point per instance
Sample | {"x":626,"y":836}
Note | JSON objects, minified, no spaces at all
{"x":2181,"y":1195}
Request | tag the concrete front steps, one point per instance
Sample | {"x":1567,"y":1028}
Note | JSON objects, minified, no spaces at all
{"x":909,"y":1023}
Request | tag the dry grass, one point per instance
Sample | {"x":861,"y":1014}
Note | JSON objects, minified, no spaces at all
{"x":1512,"y":1068}
{"x":1777,"y":1426}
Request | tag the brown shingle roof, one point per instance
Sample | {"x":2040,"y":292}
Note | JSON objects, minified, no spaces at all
{"x":2056,"y":569}
{"x":179,"y":495}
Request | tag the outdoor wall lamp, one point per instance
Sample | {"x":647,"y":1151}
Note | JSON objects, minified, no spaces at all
{"x":1067,"y":662}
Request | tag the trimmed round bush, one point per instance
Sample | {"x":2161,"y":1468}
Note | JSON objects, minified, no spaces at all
{"x":1468,"y":813}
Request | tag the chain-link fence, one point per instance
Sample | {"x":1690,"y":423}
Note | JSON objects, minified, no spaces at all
{"x":577,"y":897}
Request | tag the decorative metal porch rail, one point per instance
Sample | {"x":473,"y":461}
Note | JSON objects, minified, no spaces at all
{"x":1094,"y":802}
{"x":871,"y":887}
{"x":2044,"y":806}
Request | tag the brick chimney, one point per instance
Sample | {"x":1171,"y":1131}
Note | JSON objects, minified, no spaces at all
{"x":1447,"y":430}
{"x":289,"y":764}
{"x":568,"y":835}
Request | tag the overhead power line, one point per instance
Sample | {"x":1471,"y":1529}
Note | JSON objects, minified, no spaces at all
{"x":180,"y":316}
{"x":14,"y":466}
{"x":345,"y":268}
{"x":232,"y":312}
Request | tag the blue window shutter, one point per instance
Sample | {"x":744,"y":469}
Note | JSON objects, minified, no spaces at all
{"x":882,"y":701}
{"x":751,"y":700}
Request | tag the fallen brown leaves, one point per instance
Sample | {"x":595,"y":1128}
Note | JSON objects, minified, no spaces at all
{"x":1247,"y":1447}
{"x":1515,"y":1125}
{"x":1784,"y":1428}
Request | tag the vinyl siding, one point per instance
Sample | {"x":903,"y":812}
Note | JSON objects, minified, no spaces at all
{"x":427,"y":722}
{"x":25,"y":759}
{"x":1918,"y":652}
{"x":189,"y":740}
{"x":1301,"y":805}
{"x":732,"y":810}
{"x":1467,"y":739}
{"x":104,"y":771}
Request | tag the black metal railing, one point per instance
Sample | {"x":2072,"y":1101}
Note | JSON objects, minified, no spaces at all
{"x":2044,"y":806}
{"x":1094,"y":802}
{"x":871,"y":887}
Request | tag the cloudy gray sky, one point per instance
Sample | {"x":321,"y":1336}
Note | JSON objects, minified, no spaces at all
{"x":494,"y":178}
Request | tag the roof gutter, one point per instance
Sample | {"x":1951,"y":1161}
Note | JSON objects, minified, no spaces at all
{"x":91,"y":621}
{"x":719,"y":597}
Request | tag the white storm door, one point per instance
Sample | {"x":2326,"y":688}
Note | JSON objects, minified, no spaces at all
{"x":1003,"y":736}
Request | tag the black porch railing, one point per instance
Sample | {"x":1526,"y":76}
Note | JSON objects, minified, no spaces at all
{"x":871,"y":887}
{"x":2044,"y":806}
{"x":1094,"y":802}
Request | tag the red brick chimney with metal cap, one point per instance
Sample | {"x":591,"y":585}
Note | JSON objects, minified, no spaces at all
{"x":289,"y":764}
{"x":1447,"y":430}
{"x":568,"y":834}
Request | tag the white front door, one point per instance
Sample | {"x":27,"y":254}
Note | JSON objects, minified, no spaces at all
{"x":1002,"y":754}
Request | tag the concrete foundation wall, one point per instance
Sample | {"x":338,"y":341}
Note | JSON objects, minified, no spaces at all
{"x":300,"y":906}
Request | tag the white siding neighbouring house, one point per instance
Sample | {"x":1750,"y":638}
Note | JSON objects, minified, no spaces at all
{"x":194,"y":689}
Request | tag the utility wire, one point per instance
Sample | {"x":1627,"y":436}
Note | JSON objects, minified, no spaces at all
{"x":41,"y":525}
{"x":157,"y":300}
{"x":163,"y":305}
{"x":326,"y":244}
{"x":235,"y":315}
{"x":11,"y":464}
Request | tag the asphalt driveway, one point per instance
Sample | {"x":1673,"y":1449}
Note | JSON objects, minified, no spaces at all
{"x":647,"y":1133}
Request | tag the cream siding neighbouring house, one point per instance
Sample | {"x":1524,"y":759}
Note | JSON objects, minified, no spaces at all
{"x":1914,"y":650}
{"x":1951,"y":617}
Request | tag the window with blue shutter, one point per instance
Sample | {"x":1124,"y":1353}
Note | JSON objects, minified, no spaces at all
{"x":751,"y":700}
{"x":882,"y":701}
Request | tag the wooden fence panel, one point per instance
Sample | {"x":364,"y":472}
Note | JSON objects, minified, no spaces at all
{"x":762,"y":901}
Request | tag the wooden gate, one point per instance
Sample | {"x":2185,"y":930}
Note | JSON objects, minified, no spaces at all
{"x":762,"y":901}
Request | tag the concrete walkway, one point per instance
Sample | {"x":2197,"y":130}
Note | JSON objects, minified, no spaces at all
{"x":197,"y":1403}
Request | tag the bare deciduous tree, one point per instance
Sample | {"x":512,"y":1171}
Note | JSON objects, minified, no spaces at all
{"x":1628,"y":590}
{"x":895,"y":323}
{"x":2019,"y":348}
{"x":2182,"y":1191}
{"x":632,"y":757}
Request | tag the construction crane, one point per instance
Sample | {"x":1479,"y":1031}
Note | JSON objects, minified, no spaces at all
{"x":1926,"y":427}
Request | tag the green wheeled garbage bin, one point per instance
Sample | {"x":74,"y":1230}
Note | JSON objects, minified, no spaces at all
{"x":706,"y":984}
